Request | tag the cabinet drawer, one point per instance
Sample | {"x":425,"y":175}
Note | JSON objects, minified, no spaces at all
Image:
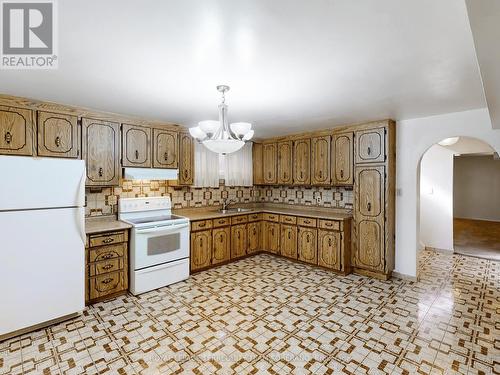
{"x":221,"y":222}
{"x":272,"y":217}
{"x":288,"y":219}
{"x":106,"y":266}
{"x":306,"y":222}
{"x":329,"y":224}
{"x":239,"y":219}
{"x":107,"y":252}
{"x":254,"y":217}
{"x":107,"y":284}
{"x":201,"y":225}
{"x":107,"y":239}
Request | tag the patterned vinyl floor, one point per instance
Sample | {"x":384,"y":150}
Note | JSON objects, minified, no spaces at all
{"x":269,"y":315}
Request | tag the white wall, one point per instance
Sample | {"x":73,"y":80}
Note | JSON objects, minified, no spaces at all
{"x":414,"y":137}
{"x":436,"y":198}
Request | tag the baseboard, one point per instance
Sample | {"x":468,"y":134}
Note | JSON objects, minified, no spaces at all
{"x":403,"y":276}
{"x":448,"y":251}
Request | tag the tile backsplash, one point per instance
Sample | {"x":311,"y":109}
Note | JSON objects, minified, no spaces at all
{"x":104,"y":201}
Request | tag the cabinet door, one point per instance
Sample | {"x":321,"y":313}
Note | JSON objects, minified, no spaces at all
{"x":257,"y":158}
{"x":343,"y":161}
{"x":329,"y":247}
{"x":285,"y":162}
{"x":201,"y":249}
{"x":186,"y":159}
{"x":238,"y":240}
{"x":272,"y":237}
{"x":320,"y":160}
{"x":302,"y":162}
{"x":307,"y":245}
{"x":16,"y":131}
{"x":370,"y":146}
{"x":369,"y":218}
{"x":270,"y":163}
{"x":253,"y":237}
{"x":289,"y":241}
{"x":165,"y":149}
{"x":101,"y":150}
{"x":57,"y":135}
{"x":221,"y":242}
{"x":136,"y":141}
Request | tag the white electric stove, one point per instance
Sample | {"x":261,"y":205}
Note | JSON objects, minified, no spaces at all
{"x":159,"y":243}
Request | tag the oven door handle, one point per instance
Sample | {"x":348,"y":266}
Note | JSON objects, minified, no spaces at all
{"x":162,"y":230}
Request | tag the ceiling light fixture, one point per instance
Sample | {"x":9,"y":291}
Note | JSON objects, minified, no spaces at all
{"x":218,"y":136}
{"x":448,"y":141}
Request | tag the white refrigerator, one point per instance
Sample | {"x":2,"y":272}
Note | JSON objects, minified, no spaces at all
{"x":42,"y":241}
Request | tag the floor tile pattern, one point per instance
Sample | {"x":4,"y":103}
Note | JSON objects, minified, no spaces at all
{"x":268,"y":315}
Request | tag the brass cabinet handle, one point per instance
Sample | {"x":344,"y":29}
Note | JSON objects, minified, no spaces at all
{"x":328,"y":224}
{"x":254,"y":231}
{"x":108,"y":240}
{"x":320,"y":174}
{"x":329,"y":242}
{"x":101,"y":171}
{"x":307,"y":221}
{"x":137,"y":154}
{"x":369,"y":206}
{"x":107,"y":267}
{"x":107,"y":281}
{"x":284,"y":175}
{"x":342,"y":173}
{"x":107,"y":256}
{"x":222,"y":221}
{"x":221,"y":237}
{"x":201,"y":225}
{"x":57,"y":141}
{"x":201,"y":241}
{"x":289,"y":235}
{"x":369,"y":150}
{"x":301,"y":174}
{"x":307,"y":238}
{"x":8,"y":137}
{"x":166,"y":155}
{"x":186,"y":174}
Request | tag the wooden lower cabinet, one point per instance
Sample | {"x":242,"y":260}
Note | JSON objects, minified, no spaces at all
{"x":238,"y":240}
{"x":106,"y":273}
{"x":329,"y":249}
{"x":221,"y":245}
{"x":308,"y":245}
{"x":254,"y":241}
{"x":288,"y":241}
{"x":272,"y":237}
{"x":201,"y":249}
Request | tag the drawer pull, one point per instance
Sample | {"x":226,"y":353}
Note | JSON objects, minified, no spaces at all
{"x":107,"y":281}
{"x":57,"y":141}
{"x":108,"y":267}
{"x":307,"y":221}
{"x":108,"y":256}
{"x":222,"y":221}
{"x":108,"y":240}
{"x":201,"y":225}
{"x":8,"y":137}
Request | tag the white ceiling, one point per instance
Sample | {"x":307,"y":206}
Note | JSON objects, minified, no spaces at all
{"x":292,"y":65}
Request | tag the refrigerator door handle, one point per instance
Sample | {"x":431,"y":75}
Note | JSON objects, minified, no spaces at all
{"x":81,"y":189}
{"x":80,"y":222}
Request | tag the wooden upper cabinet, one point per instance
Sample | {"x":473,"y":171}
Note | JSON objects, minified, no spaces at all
{"x":343,"y":159}
{"x":201,"y":249}
{"x":302,"y":162}
{"x":16,"y":131}
{"x":369,"y":217}
{"x":288,"y":242}
{"x":285,"y":162}
{"x":238,"y":240}
{"x":58,"y":135}
{"x":221,"y":245}
{"x":270,"y":163}
{"x":370,"y":145}
{"x":136,"y":141}
{"x":257,"y":159}
{"x":329,"y":249}
{"x":101,"y":151}
{"x":307,"y":245}
{"x":186,"y":159}
{"x":320,"y":160}
{"x":165,"y":149}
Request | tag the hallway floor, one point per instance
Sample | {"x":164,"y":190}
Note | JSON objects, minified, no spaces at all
{"x":269,"y":315}
{"x":477,"y":238}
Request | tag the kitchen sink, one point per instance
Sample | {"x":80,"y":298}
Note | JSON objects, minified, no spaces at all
{"x":235,"y":210}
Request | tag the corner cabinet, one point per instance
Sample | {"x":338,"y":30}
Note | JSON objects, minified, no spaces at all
{"x":136,"y":141}
{"x":101,"y":150}
{"x":165,"y":149}
{"x":58,"y":135}
{"x":186,"y":159}
{"x":16,"y":131}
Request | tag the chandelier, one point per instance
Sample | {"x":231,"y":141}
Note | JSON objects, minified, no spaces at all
{"x":217,"y":136}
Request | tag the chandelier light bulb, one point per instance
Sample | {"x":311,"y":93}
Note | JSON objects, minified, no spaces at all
{"x":197,"y":133}
{"x":209,"y":127}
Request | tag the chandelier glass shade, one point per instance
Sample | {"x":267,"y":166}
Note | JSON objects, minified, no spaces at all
{"x":219,"y":136}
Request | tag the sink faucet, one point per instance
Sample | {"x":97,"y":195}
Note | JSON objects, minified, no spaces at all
{"x":226,"y":202}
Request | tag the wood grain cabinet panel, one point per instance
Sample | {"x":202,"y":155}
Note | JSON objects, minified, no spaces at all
{"x":258,"y":163}
{"x":285,"y":162}
{"x":254,"y":241}
{"x":270,"y":163}
{"x":165,"y":149}
{"x":343,"y":159}
{"x":16,"y":131}
{"x":320,"y":160}
{"x":369,"y":252}
{"x":238,"y":240}
{"x":58,"y":135}
{"x":201,"y":249}
{"x":307,"y":245}
{"x":329,"y":249}
{"x":302,"y":162}
{"x":136,"y":141}
{"x":272,"y":237}
{"x":221,"y":242}
{"x":186,"y":159}
{"x":370,"y":145}
{"x":101,"y":150}
{"x":288,"y":241}
{"x":107,"y":284}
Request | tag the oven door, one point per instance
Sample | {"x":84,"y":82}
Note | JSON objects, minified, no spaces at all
{"x":158,"y":245}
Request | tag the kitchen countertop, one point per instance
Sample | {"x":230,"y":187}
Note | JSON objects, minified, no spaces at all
{"x":104,"y":224}
{"x":204,"y":213}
